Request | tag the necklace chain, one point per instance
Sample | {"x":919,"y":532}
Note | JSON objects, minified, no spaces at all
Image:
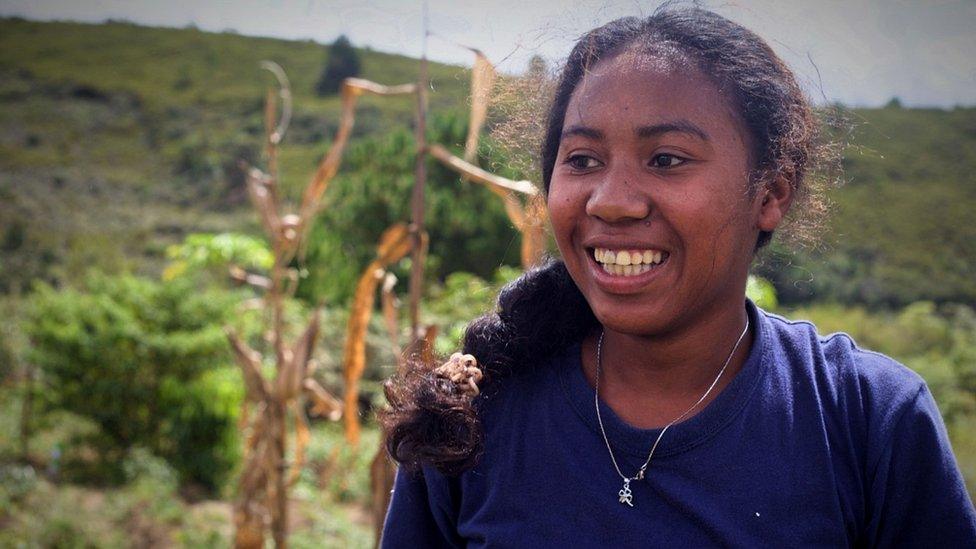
{"x":625,"y":494}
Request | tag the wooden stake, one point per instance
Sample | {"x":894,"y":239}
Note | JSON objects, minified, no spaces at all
{"x":417,"y":201}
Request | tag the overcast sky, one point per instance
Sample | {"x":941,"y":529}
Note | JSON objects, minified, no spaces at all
{"x":859,"y":52}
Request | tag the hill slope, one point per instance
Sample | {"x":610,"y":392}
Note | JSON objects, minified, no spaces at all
{"x":118,"y":139}
{"x":902,"y":227}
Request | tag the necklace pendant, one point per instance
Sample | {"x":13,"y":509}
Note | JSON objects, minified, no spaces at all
{"x":625,"y":495}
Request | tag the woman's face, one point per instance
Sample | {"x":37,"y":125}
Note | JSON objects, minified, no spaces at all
{"x":649,"y":197}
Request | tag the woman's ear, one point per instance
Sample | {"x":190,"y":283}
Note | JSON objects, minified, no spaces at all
{"x":774,"y":201}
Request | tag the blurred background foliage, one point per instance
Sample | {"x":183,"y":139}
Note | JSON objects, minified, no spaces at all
{"x":122,"y":204}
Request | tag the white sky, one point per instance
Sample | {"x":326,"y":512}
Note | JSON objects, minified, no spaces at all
{"x":866,"y":51}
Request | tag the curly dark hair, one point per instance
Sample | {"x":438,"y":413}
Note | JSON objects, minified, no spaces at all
{"x":430,"y":422}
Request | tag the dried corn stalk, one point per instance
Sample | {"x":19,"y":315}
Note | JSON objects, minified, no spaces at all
{"x":352,"y":88}
{"x":382,"y":472}
{"x":395,"y":243}
{"x":266,"y":476}
{"x":391,"y":307}
{"x":529,"y":219}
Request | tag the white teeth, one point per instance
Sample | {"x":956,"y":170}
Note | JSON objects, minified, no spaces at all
{"x":626,"y":263}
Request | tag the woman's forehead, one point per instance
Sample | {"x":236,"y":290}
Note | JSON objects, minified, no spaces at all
{"x":636,"y":89}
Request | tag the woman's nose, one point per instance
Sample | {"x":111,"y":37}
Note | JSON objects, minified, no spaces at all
{"x":616,"y":199}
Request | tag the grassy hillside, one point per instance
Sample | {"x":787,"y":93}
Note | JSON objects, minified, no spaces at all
{"x":176,"y":67}
{"x":118,"y":139}
{"x":902,"y":226}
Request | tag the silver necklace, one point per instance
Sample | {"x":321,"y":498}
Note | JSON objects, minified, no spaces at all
{"x":624,"y":495}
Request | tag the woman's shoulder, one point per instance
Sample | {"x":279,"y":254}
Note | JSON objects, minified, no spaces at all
{"x":840,"y":371}
{"x":526,"y":386}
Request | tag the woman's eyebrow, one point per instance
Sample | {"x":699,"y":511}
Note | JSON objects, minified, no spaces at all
{"x":582,"y":131}
{"x":654,"y":130}
{"x":680,"y":126}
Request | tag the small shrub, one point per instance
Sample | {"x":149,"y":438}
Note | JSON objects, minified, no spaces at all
{"x":138,"y":357}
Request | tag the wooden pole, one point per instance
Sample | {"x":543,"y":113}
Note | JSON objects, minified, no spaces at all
{"x":417,"y":201}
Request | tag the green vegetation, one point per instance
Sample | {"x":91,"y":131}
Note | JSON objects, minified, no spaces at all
{"x":330,"y":502}
{"x":148,"y":364}
{"x":120,"y":150}
{"x":901,"y":230}
{"x":467,"y":225}
{"x":111,"y":153}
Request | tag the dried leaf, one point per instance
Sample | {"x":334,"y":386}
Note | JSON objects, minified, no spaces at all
{"x":354,"y":357}
{"x":302,"y":436}
{"x":292,"y":373}
{"x":241,"y":276}
{"x":395,"y":243}
{"x":323,"y":403}
{"x":276,"y":133}
{"x":533,"y":233}
{"x":258,"y":184}
{"x":270,"y":116}
{"x":427,"y":350}
{"x":351,"y":89}
{"x":249,"y":360}
{"x":482,"y":80}
{"x":495,"y":182}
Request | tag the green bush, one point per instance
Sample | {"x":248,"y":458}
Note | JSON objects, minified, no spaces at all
{"x":459,"y":300}
{"x":145,"y":361}
{"x":215,"y":253}
{"x":467,"y":224}
{"x":761,"y":292}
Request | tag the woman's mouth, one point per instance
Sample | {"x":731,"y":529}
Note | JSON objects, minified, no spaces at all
{"x":627,"y":263}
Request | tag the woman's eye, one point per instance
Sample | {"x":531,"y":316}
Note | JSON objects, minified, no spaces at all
{"x":582,"y":162}
{"x":667,"y":161}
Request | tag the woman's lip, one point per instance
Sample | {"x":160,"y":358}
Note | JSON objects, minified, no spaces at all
{"x":618,"y":244}
{"x":621,"y":284}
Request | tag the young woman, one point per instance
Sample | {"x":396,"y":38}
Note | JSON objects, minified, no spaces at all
{"x":632,"y":394}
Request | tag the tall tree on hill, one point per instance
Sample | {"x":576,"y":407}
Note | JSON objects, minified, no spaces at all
{"x":342,"y":62}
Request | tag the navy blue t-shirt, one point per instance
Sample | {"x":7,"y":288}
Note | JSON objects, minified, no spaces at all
{"x":815,"y":442}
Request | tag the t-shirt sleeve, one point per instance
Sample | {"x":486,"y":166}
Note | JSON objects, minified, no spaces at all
{"x":420,"y":512}
{"x":917,"y":495}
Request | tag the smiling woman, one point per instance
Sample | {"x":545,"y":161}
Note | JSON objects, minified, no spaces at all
{"x":632,"y":394}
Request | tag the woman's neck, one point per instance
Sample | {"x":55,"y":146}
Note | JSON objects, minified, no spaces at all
{"x":650,"y":380}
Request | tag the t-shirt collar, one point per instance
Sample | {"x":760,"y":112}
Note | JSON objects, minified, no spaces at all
{"x":681,"y":436}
